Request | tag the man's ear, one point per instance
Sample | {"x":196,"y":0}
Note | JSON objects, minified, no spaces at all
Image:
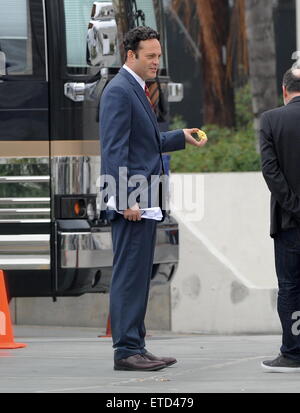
{"x":284,"y":91}
{"x":130,"y":55}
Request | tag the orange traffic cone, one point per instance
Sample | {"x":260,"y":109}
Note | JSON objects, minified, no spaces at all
{"x":108,"y":328}
{"x":6,"y":333}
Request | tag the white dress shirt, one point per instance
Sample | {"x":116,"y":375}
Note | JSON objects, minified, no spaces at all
{"x":140,"y":81}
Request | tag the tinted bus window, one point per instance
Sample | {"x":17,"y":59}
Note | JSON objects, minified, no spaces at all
{"x":79,"y":28}
{"x":77,"y":22}
{"x":15,"y":32}
{"x":77,"y":17}
{"x":148,"y":9}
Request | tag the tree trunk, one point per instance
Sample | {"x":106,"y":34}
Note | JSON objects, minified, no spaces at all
{"x":218,"y":92}
{"x":208,"y":23}
{"x":121,"y":10}
{"x":262,"y":56}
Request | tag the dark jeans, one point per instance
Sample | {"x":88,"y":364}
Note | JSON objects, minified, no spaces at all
{"x":287,"y":261}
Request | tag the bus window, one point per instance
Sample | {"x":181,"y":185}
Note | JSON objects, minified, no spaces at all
{"x":77,"y":22}
{"x":15,"y":33}
{"x":147,"y":7}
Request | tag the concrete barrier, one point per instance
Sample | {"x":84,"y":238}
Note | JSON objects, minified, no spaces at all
{"x":226,"y":280}
{"x":89,"y":310}
{"x":225,"y":283}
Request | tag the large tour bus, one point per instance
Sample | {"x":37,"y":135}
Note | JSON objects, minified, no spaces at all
{"x":56,"y":57}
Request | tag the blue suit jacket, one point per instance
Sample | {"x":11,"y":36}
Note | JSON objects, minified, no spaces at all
{"x":129,"y":132}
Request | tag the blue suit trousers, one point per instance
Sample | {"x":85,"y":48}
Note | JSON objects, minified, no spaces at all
{"x":133,"y":246}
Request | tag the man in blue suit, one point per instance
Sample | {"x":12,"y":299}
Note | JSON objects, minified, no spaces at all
{"x":131,"y":145}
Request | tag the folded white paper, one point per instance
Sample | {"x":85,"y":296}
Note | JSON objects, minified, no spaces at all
{"x":147,"y":213}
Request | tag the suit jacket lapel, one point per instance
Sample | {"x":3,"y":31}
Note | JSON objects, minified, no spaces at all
{"x":143,"y":98}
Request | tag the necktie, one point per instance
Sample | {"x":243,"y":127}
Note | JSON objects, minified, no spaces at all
{"x":148,"y":95}
{"x":154,"y":94}
{"x":147,"y":92}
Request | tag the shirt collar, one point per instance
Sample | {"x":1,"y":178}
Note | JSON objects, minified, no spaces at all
{"x":295,"y":99}
{"x":140,"y":81}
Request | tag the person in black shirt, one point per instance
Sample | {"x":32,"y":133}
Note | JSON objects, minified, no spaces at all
{"x":280,"y":154}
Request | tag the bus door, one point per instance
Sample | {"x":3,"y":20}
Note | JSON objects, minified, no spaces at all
{"x":24,"y":137}
{"x":24,"y":128}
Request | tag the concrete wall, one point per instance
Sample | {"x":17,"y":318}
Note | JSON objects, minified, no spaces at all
{"x":89,"y":310}
{"x":225,"y":282}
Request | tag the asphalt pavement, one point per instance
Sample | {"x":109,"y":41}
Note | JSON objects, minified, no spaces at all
{"x":76,"y":360}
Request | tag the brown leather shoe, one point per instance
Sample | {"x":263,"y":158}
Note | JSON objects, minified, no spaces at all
{"x":139,"y":363}
{"x":168,"y":360}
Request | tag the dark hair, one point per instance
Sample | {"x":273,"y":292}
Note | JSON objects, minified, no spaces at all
{"x":133,"y":38}
{"x":291,"y":82}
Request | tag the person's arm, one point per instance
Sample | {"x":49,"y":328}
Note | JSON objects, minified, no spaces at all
{"x":176,"y":140}
{"x":172,"y":141}
{"x":273,"y":175}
